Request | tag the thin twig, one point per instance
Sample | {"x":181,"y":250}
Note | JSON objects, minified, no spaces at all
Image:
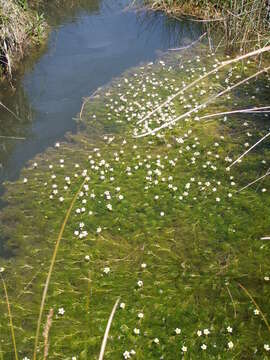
{"x":254,"y":181}
{"x":256,"y":305}
{"x":248,"y":150}
{"x":251,"y":110}
{"x":234,"y":307}
{"x":46,"y":334}
{"x":11,"y":137}
{"x":10,"y":111}
{"x":44,"y":295}
{"x":104,"y":342}
{"x":10,"y":318}
{"x":190,"y":45}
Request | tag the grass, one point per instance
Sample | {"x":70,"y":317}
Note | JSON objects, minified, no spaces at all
{"x":243,"y":24}
{"x":19,"y":27}
{"x":158,"y":222}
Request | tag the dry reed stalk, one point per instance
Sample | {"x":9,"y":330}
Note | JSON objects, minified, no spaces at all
{"x":10,"y":318}
{"x":254,"y":110}
{"x":256,"y":305}
{"x":253,"y":182}
{"x":249,"y":149}
{"x":46,"y":334}
{"x":10,"y":111}
{"x":223,"y":64}
{"x":203,"y":105}
{"x":106,"y":334}
{"x":45,"y":291}
{"x":234,"y":307}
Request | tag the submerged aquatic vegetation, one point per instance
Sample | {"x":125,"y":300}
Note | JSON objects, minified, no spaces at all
{"x":157,"y":221}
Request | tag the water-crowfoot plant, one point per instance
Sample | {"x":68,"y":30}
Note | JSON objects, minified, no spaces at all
{"x":156,"y":220}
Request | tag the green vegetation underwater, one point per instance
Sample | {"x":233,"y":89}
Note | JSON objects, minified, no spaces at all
{"x":165,"y":221}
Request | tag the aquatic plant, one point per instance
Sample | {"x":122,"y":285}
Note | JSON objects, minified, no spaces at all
{"x":158,"y":221}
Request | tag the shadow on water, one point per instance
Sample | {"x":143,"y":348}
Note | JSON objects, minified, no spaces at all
{"x":90,"y":43}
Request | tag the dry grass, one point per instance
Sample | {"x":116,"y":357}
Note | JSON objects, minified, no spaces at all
{"x":18,"y":28}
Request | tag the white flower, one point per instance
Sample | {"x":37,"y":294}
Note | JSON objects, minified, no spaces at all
{"x":57,"y":145}
{"x":99,"y":229}
{"x":143,"y":265}
{"x":177,"y":331}
{"x":206,"y":332}
{"x":256,"y":312}
{"x":156,"y":341}
{"x":230,"y":345}
{"x":122,"y":305}
{"x":26,"y":358}
{"x":199,"y":333}
{"x":140,"y":283}
{"x":266,"y":347}
{"x":126,"y":355}
{"x":87,"y":257}
{"x":184,"y":348}
{"x":120,"y":197}
{"x":229,"y":329}
{"x":106,"y":270}
{"x":133,"y":352}
{"x":25,"y":180}
{"x":162,"y":213}
{"x":266,"y":278}
{"x":2,"y":269}
{"x":74,"y":358}
{"x":109,"y":207}
{"x":61,"y":199}
{"x":136,"y":331}
{"x":140,"y":315}
{"x":61,"y":311}
{"x":203,"y":347}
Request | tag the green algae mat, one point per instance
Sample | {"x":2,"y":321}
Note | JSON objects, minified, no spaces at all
{"x":165,"y":223}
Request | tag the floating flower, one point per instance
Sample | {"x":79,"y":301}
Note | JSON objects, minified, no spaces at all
{"x":106,"y":270}
{"x":61,"y":311}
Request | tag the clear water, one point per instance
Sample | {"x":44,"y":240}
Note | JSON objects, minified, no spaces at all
{"x":90,"y":43}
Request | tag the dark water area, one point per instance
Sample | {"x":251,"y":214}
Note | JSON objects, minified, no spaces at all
{"x":90,"y":43}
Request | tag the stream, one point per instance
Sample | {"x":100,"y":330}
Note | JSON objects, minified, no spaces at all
{"x":90,"y":43}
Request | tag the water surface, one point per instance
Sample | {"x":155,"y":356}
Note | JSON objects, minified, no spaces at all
{"x":90,"y":43}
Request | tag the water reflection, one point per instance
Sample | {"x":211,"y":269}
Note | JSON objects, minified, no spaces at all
{"x":91,"y":42}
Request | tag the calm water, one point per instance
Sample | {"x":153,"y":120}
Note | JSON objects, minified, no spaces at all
{"x":91,"y":42}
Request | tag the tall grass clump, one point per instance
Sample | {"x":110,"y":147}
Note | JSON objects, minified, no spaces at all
{"x":19,"y":26}
{"x":242,"y":21}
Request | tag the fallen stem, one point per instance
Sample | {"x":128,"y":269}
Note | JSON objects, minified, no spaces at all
{"x":106,"y":334}
{"x":10,"y":318}
{"x":45,"y":291}
{"x":256,"y":305}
